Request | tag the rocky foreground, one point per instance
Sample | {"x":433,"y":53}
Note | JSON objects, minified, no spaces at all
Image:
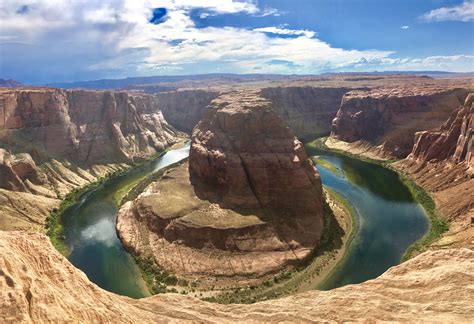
{"x":37,"y":284}
{"x":250,"y":204}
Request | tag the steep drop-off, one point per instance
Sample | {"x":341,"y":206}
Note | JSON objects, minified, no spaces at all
{"x":442,"y":161}
{"x":37,"y":284}
{"x":84,"y":127}
{"x":307,"y":110}
{"x":250,"y":205}
{"x":53,"y":140}
{"x":183,"y":109}
{"x":389,"y":118}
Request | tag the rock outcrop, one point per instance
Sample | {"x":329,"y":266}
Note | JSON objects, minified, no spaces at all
{"x":389,"y":118}
{"x":15,"y":170}
{"x":453,"y":140}
{"x":244,"y":150}
{"x":249,"y":205}
{"x":442,"y":161}
{"x":83,"y":127}
{"x":37,"y":284}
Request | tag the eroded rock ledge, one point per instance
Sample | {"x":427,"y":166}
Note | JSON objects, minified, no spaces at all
{"x":388,"y":118}
{"x":54,"y":140}
{"x":37,"y":284}
{"x":442,"y":161}
{"x":250,"y":205}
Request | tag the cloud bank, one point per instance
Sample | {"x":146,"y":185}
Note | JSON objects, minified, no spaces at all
{"x":56,"y":40}
{"x":463,"y":12}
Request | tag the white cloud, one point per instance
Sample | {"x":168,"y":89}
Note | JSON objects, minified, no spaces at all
{"x":463,"y":12}
{"x":285,"y":31}
{"x":405,"y":27}
{"x":115,"y":39}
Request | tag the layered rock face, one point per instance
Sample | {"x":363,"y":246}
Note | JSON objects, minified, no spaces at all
{"x":442,"y":161}
{"x":249,"y":204}
{"x":389,"y":118}
{"x":242,"y":148}
{"x":452,"y":140}
{"x":83,"y":127}
{"x":15,"y":169}
{"x":37,"y":284}
{"x":52,"y":141}
{"x":307,"y":110}
{"x":183,"y":109}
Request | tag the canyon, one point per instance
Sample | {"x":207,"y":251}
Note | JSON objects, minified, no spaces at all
{"x":53,"y":141}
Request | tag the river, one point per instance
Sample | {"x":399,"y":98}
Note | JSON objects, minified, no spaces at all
{"x":388,"y":221}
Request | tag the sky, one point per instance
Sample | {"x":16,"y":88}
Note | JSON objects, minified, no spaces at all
{"x":44,"y":41}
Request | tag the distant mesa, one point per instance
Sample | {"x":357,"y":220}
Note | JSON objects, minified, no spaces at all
{"x":10,"y":83}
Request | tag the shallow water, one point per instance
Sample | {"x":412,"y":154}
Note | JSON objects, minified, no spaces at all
{"x":388,"y":218}
{"x":388,"y":222}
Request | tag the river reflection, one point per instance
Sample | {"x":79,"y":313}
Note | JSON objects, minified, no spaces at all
{"x":389,"y":220}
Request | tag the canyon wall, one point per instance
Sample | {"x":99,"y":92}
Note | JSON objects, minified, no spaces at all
{"x":183,"y":109}
{"x":307,"y":110}
{"x":53,"y":140}
{"x":442,"y":161}
{"x":389,"y":118}
{"x":84,"y":127}
{"x":248,"y":153}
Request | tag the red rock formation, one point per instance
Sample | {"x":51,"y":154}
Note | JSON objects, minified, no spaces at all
{"x":243,"y":148}
{"x":453,"y":140}
{"x":442,"y":162}
{"x":84,"y":127}
{"x":390,"y":117}
{"x":250,"y":190}
{"x":307,"y":110}
{"x":183,"y":109}
{"x":15,"y":169}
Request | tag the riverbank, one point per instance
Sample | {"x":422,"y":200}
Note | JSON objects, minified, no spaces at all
{"x":437,"y":226}
{"x":53,"y":224}
{"x":340,"y":219}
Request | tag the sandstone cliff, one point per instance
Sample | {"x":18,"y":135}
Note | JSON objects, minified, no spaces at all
{"x":388,"y":118}
{"x":84,"y":127}
{"x":183,"y":109}
{"x":242,"y":148}
{"x":249,"y":206}
{"x":52,"y":141}
{"x":442,"y":161}
{"x":307,"y":110}
{"x":37,"y":284}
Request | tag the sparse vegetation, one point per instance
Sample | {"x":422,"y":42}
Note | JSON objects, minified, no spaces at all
{"x":290,"y":280}
{"x":437,"y":225}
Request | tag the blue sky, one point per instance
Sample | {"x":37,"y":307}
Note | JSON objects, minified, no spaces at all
{"x":45,"y":41}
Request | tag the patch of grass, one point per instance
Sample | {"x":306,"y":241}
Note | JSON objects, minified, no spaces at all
{"x":327,"y":165}
{"x":155,"y":278}
{"x":438,"y":225}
